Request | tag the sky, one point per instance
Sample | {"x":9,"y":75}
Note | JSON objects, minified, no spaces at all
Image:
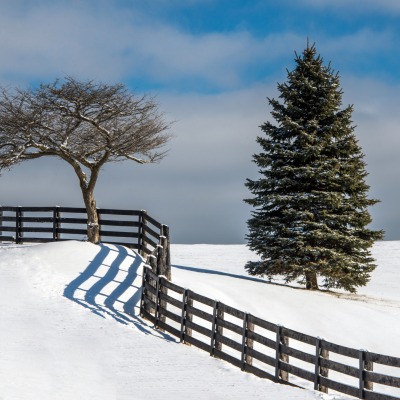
{"x":211,"y":65}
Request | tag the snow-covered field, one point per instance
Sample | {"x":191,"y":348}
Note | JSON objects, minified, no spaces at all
{"x":70,"y":330}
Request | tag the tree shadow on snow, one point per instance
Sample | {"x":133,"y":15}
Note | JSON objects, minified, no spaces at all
{"x":109,"y":290}
{"x":244,"y":277}
{"x":214,"y":272}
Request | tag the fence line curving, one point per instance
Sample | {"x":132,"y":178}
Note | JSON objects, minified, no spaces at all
{"x":255,"y":345}
{"x":265,"y":349}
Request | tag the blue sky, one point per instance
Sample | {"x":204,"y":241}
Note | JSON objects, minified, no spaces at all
{"x":211,"y":65}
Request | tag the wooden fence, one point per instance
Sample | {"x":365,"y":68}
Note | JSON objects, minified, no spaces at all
{"x":266,"y":349}
{"x":131,"y":228}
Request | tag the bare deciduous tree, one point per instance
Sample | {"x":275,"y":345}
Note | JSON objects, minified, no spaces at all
{"x":84,"y":123}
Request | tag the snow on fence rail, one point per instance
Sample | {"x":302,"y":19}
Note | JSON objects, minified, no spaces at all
{"x":265,"y":349}
{"x":132,"y":228}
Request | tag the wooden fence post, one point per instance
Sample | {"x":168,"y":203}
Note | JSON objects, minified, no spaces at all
{"x":160,"y":260}
{"x":364,"y":365}
{"x":218,"y":314}
{"x":144,"y":278}
{"x":213,"y":327}
{"x":165,"y":257}
{"x":153,"y":264}
{"x":183,"y":315}
{"x":166,"y":243}
{"x":324,"y":371}
{"x":162,"y":270}
{"x":250,"y":342}
{"x":320,"y":371}
{"x":142,"y":233}
{"x":368,"y":366}
{"x":246,"y":342}
{"x":18,"y":226}
{"x":56,"y":223}
{"x":219,"y":329}
{"x":189,"y":316}
{"x":163,"y":289}
{"x":280,"y":339}
{"x":157,"y":311}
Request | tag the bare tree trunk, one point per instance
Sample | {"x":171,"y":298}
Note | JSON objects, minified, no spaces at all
{"x":311,"y":280}
{"x":93,"y":228}
{"x":87,"y":188}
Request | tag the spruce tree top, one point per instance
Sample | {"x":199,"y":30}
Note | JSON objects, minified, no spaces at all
{"x":311,"y":205}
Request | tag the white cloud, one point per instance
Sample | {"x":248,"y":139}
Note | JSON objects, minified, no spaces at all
{"x":115,"y":44}
{"x":362,"y":42}
{"x":108,"y":43}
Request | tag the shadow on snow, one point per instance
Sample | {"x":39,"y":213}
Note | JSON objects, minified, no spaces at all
{"x":91,"y":289}
{"x":266,"y":281}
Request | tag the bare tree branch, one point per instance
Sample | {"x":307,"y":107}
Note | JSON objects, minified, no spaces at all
{"x":86,"y":124}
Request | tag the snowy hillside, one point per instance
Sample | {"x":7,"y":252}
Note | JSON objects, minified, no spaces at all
{"x":348,"y":319}
{"x":70,"y":330}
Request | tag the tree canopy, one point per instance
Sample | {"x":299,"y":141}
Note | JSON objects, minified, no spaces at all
{"x":310,"y":204}
{"x":86,"y":124}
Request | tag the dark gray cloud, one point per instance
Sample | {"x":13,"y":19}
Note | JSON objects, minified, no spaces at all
{"x":199,"y":187}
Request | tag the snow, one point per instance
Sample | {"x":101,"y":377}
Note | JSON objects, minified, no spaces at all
{"x":336,"y":316}
{"x":70,"y":325}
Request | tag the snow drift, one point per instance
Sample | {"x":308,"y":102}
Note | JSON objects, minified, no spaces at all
{"x":70,"y":325}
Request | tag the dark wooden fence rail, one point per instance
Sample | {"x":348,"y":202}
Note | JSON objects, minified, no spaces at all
{"x":131,"y":228}
{"x":263,"y":348}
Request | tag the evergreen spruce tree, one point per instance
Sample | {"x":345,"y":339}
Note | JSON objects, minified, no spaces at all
{"x":311,"y":206}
